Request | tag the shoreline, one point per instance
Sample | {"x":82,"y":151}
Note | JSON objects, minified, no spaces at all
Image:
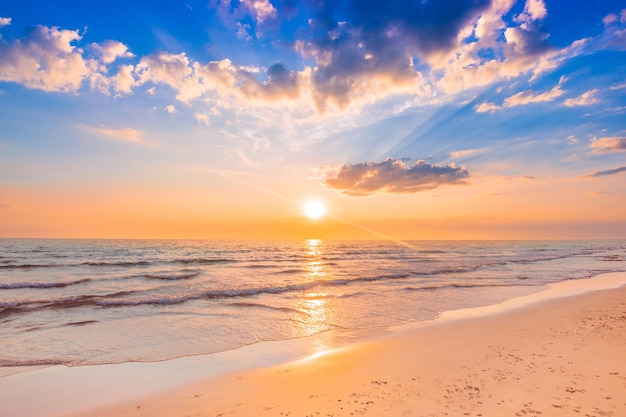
{"x":98,"y":387}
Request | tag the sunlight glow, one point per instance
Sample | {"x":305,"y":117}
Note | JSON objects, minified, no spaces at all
{"x":314,"y":209}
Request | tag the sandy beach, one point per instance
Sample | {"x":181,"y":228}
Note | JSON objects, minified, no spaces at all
{"x":557,"y":357}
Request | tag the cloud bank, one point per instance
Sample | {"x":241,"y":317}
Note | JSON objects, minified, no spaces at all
{"x":394,"y":176}
{"x":360,"y":52}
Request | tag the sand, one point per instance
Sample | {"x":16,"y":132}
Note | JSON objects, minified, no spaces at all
{"x":558,"y":357}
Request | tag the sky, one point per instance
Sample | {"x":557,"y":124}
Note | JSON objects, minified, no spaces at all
{"x":218,"y":119}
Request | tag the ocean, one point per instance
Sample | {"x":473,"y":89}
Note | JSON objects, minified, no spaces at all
{"x":86,"y":302}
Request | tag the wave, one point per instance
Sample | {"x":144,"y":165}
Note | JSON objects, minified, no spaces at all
{"x":154,"y":297}
{"x":10,"y":264}
{"x":28,"y":266}
{"x":260,"y":266}
{"x":120,"y":263}
{"x":6,"y":311}
{"x":472,"y":268}
{"x":292,"y":271}
{"x":34,"y":362}
{"x":447,"y":286}
{"x":80,"y":323}
{"x":265,"y":306}
{"x":455,"y":270}
{"x":551,"y":258}
{"x":43,"y":285}
{"x":172,"y":277}
{"x":139,"y":298}
{"x":612,"y":258}
{"x":203,"y":261}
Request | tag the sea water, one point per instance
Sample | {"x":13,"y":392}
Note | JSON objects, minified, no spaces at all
{"x":85,"y":302}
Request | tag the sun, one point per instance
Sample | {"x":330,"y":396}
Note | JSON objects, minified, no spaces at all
{"x":314,"y":209}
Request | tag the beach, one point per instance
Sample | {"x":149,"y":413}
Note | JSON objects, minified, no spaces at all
{"x":557,"y":353}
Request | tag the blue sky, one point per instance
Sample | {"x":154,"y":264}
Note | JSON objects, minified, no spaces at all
{"x":436,"y":112}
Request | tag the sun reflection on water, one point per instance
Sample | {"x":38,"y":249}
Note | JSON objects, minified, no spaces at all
{"x":317,"y":316}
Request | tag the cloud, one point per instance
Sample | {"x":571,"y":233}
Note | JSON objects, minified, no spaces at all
{"x":202,"y":118}
{"x":527,"y":97}
{"x":46,"y":59}
{"x":618,"y":86}
{"x":110,"y":50}
{"x":463,"y":153}
{"x":248,"y":18}
{"x":359,"y":52}
{"x":607,"y":172}
{"x":610,"y":18}
{"x":5,"y":21}
{"x":614,"y":35}
{"x":243,"y":31}
{"x":533,"y":10}
{"x":169,"y":69}
{"x":584,"y":99}
{"x":487,"y":107}
{"x":522,"y":98}
{"x":376,"y":43}
{"x":280,"y":83}
{"x":608,"y":144}
{"x":614,"y":18}
{"x":394,"y":176}
{"x":124,"y":80}
{"x":500,"y":50}
{"x":192,"y":80}
{"x":171,"y":109}
{"x":125,"y":134}
{"x":260,"y":10}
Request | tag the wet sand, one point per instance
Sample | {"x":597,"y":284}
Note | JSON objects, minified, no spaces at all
{"x":557,"y":357}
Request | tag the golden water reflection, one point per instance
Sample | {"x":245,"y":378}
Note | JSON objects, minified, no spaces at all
{"x":314,"y":266}
{"x":317,"y":315}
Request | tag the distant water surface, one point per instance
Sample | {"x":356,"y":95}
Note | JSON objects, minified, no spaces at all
{"x":79,"y":302}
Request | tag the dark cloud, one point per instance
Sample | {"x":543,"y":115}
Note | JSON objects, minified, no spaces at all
{"x":281,"y":82}
{"x":394,"y":176}
{"x":528,"y":40}
{"x":607,"y":172}
{"x":352,"y":39}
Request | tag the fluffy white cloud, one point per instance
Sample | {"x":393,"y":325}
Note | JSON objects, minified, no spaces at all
{"x":124,"y":81}
{"x":501,"y":50}
{"x":46,"y":59}
{"x":5,"y":21}
{"x":171,"y":109}
{"x":192,"y":80}
{"x":110,"y":50}
{"x":533,"y":10}
{"x":260,"y":10}
{"x":394,"y":176}
{"x":585,"y":99}
{"x":164,"y":68}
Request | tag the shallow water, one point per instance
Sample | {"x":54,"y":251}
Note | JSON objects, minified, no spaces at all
{"x":78,"y":302}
